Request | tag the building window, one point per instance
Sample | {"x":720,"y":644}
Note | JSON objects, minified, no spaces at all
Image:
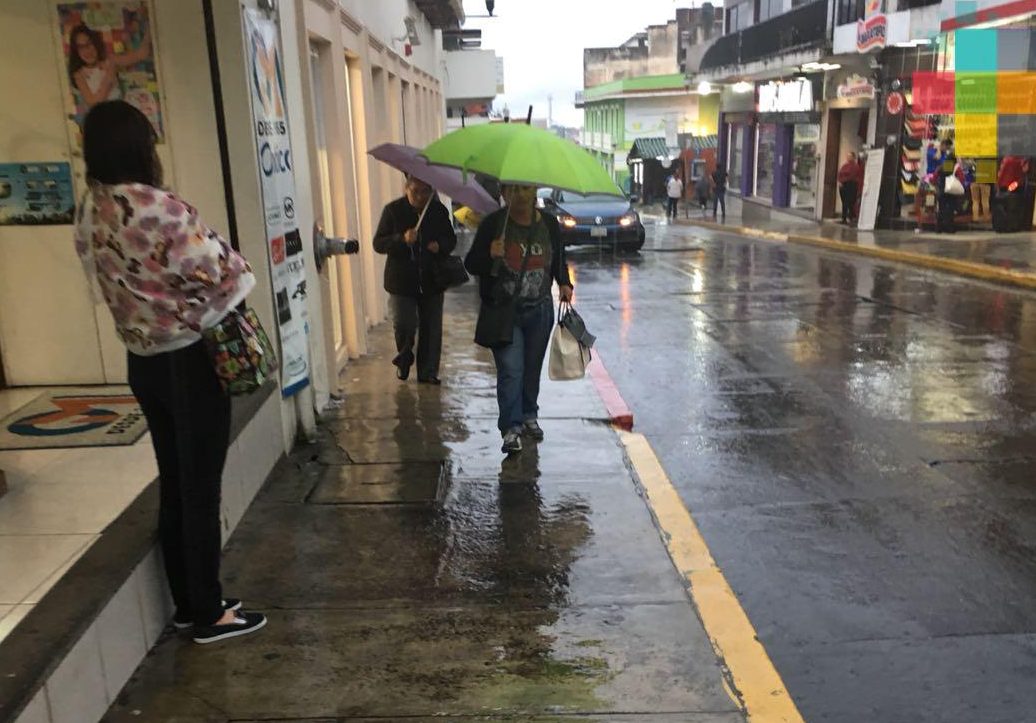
{"x":849,"y":11}
{"x":765,"y":155}
{"x":770,"y":9}
{"x":739,"y":17}
{"x":736,"y":144}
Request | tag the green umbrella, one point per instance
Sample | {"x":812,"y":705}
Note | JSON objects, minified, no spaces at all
{"x":520,"y":153}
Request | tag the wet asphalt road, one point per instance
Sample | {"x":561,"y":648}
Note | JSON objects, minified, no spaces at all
{"x":856,"y":442}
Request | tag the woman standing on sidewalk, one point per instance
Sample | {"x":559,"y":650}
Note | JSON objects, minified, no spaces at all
{"x":166,"y":277}
{"x":517,"y":255}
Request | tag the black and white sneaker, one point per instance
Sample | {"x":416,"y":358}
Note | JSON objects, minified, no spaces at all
{"x":532,"y":430}
{"x":512,"y":442}
{"x":231,"y":603}
{"x":245,"y":622}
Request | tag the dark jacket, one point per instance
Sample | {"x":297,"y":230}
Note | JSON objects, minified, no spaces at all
{"x":479,"y":263}
{"x":408,"y":271}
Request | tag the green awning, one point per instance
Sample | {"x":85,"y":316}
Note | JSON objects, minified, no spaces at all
{"x":645,"y":148}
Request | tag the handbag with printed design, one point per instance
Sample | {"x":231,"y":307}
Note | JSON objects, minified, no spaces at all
{"x":241,"y":352}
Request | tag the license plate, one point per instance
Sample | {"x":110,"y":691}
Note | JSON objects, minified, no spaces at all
{"x":598,"y":232}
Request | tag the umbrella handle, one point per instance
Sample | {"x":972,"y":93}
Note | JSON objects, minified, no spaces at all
{"x":423,"y":212}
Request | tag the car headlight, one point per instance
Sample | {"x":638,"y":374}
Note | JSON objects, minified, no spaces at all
{"x":567,"y":221}
{"x":628,"y":220}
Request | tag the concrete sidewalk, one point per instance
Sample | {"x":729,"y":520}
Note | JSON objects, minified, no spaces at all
{"x":1000,"y":258}
{"x":535,"y":588}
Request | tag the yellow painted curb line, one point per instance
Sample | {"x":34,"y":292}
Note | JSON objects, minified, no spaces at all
{"x":757,"y":687}
{"x":970,"y":269}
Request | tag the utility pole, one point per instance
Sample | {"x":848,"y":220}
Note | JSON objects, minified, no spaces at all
{"x":550,"y":111}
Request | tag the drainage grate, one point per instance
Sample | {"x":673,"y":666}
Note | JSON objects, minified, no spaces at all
{"x":380,"y":483}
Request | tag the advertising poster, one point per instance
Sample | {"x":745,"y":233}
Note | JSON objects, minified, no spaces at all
{"x":108,"y":56}
{"x":36,"y":194}
{"x":284,"y":242}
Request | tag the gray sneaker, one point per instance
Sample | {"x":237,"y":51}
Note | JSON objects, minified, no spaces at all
{"x":532,"y":430}
{"x":512,"y":442}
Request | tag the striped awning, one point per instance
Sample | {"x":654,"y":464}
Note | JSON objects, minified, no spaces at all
{"x":650,"y":148}
{"x":701,"y":143}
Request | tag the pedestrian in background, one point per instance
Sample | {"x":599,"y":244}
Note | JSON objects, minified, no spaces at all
{"x":719,"y":191}
{"x":415,"y":231}
{"x":849,"y":186}
{"x":518,"y":256}
{"x":674,"y":192}
{"x":701,"y":188}
{"x":166,"y":278}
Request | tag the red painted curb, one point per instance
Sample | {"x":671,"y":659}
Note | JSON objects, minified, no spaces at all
{"x":618,"y":411}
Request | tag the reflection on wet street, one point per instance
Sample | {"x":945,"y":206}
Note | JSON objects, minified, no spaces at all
{"x":856,"y":442}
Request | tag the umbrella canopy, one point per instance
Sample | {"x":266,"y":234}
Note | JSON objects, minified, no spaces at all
{"x":447,"y":180}
{"x":520,"y":153}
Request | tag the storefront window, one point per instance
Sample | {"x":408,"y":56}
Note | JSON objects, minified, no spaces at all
{"x":736,"y":144}
{"x":804,"y":165}
{"x":766,"y":147}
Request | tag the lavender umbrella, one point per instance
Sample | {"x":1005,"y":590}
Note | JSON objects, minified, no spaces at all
{"x":442,"y":178}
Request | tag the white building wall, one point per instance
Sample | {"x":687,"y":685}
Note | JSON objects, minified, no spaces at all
{"x":470,"y":74}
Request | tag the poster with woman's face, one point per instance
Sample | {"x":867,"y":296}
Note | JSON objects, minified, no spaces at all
{"x":109,"y":56}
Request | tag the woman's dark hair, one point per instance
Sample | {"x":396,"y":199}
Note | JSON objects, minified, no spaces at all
{"x":74,"y":61}
{"x":119,"y":145}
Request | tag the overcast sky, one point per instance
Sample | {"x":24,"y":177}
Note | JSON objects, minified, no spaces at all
{"x":542,"y":41}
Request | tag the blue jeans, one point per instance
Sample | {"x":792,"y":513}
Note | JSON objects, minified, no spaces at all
{"x":519,"y":364}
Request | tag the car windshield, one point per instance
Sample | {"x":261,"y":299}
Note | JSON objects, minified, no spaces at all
{"x":569,"y":197}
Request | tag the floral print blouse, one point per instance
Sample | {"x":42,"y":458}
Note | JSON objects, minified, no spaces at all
{"x":164,"y":274}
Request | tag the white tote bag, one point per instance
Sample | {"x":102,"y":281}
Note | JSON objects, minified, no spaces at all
{"x":953,"y":186}
{"x":568,"y":358}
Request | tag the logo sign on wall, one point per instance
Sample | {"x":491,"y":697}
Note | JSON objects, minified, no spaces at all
{"x":872,"y":31}
{"x":794,"y":96}
{"x":856,"y":86}
{"x":284,"y":243}
{"x":894,"y":103}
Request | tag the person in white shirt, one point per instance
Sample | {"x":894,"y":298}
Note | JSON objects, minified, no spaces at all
{"x":674,"y":190}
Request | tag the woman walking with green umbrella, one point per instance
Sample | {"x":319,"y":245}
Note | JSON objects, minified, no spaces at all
{"x":517,"y":256}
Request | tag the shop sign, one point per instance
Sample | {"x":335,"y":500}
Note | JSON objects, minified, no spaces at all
{"x":277,"y":182}
{"x":794,"y":96}
{"x":894,"y":103}
{"x":872,"y":31}
{"x":856,"y":86}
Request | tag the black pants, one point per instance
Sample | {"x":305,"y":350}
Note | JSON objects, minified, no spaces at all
{"x":420,"y":317}
{"x":848,"y":193}
{"x":188,"y":414}
{"x":719,"y":201}
{"x":670,"y":211}
{"x":947,"y":210}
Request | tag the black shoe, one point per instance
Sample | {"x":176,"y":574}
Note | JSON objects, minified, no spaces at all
{"x":512,"y":442}
{"x":403,"y":362}
{"x":532,"y":430}
{"x":182,"y":623}
{"x":244,"y":623}
{"x":434,"y":381}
